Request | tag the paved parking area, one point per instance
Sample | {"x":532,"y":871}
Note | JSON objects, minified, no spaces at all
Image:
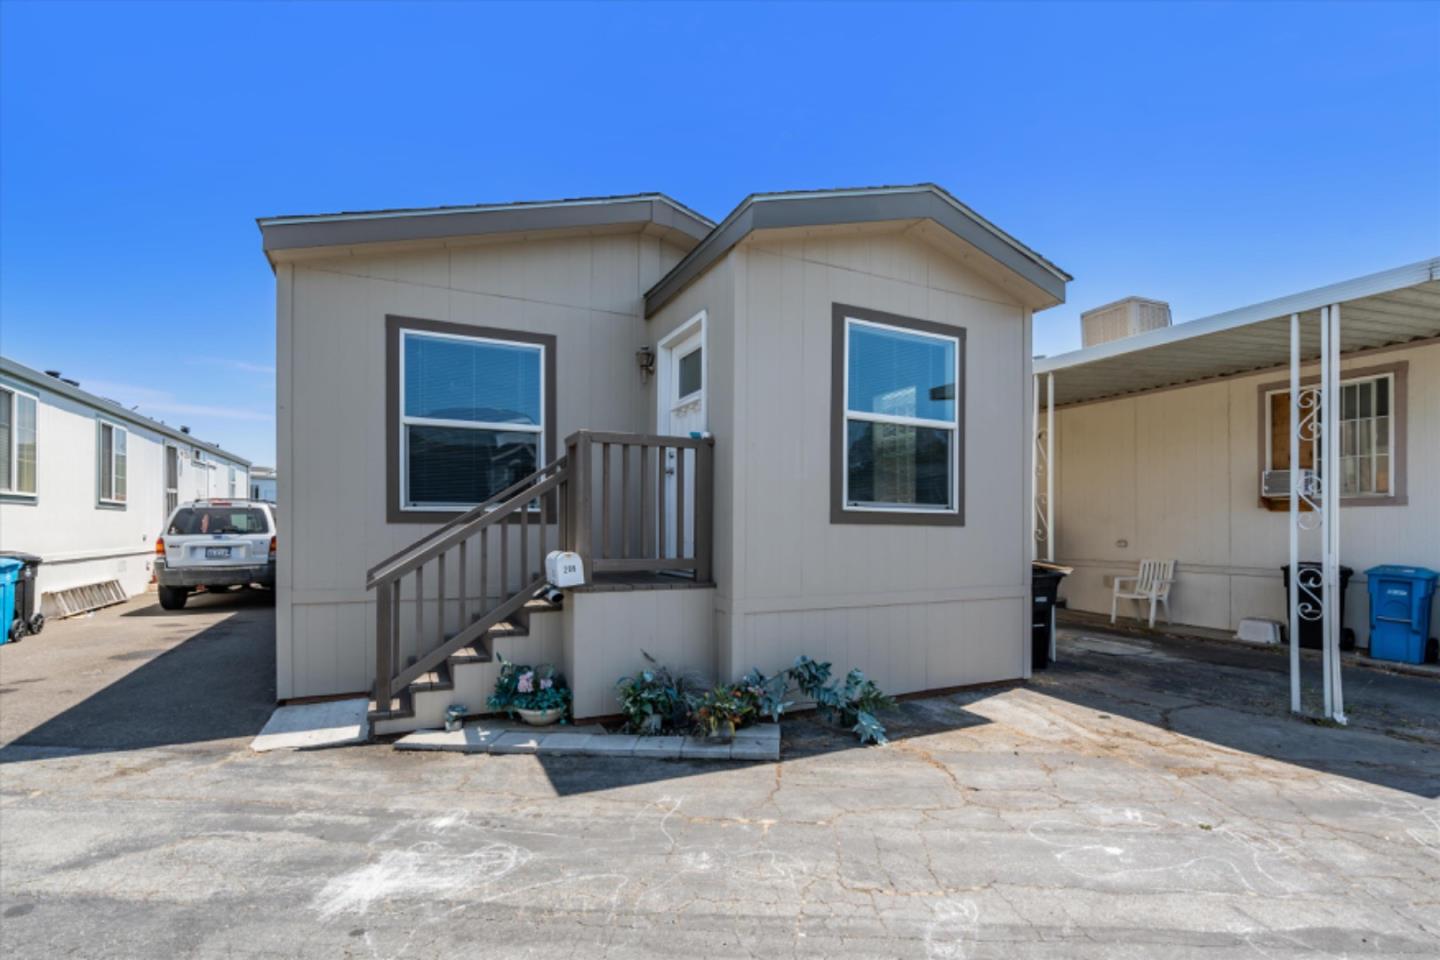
{"x":1142,"y":800}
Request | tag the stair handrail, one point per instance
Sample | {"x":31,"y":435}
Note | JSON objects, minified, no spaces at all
{"x":391,"y":674}
{"x":379,"y":572}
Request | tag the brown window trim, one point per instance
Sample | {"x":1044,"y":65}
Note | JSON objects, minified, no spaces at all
{"x":1399,"y":371}
{"x":393,"y":327}
{"x":839,"y":513}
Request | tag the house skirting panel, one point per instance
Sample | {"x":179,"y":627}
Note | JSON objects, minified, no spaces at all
{"x":904,"y":647}
{"x":606,"y":636}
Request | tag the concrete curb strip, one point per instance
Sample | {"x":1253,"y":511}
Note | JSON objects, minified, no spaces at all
{"x":760,"y":742}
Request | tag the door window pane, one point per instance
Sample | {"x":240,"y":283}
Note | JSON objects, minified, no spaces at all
{"x":896,"y":464}
{"x":448,"y":379}
{"x":456,"y":465}
{"x":901,"y":374}
{"x":690,"y":373}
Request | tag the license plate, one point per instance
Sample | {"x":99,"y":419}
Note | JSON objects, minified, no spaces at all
{"x":217,"y":553}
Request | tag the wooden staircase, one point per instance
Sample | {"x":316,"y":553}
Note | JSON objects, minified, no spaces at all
{"x":448,"y":603}
{"x":470,"y":670}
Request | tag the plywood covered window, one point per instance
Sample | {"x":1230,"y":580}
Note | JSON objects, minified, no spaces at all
{"x":1370,"y":422}
{"x":17,"y":442}
{"x":898,"y":393}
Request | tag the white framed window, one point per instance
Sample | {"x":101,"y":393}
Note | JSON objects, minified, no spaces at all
{"x":1367,"y":436}
{"x":18,"y":418}
{"x":472,"y":417}
{"x":112,"y":457}
{"x":901,"y":415}
{"x":232,"y":487}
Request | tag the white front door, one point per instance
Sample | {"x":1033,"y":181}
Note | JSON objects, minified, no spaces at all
{"x":684,"y":370}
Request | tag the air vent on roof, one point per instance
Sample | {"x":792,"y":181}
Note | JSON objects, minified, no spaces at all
{"x":1123,"y":318}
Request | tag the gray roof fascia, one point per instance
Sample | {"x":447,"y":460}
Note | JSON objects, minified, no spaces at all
{"x":1373,"y":284}
{"x":871,"y":205}
{"x":109,"y":408}
{"x":439,"y":223}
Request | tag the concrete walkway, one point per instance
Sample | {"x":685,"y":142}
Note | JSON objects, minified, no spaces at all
{"x":1137,"y":801}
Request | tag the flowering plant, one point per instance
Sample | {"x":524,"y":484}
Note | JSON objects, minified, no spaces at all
{"x":722,"y":710}
{"x":523,"y":687}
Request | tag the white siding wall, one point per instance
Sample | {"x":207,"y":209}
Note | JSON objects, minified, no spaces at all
{"x":585,"y":290}
{"x":80,"y":541}
{"x":1175,"y":474}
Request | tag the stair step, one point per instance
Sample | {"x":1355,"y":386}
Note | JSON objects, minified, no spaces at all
{"x":476,"y":652}
{"x":437,"y":679}
{"x":508,"y":628}
{"x":401,"y":707}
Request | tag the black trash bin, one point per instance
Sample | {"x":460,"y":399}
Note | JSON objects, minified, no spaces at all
{"x":27,"y":620}
{"x":1312,"y":632}
{"x":1044,"y":589}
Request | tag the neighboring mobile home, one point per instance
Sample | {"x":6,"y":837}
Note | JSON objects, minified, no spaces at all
{"x":86,"y":485}
{"x":802,"y":430}
{"x":1163,"y":441}
{"x":263,"y":484}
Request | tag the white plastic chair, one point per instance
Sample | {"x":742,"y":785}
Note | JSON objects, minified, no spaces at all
{"x":1152,"y":584}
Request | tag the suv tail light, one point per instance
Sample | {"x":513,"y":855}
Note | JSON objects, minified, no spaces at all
{"x":160,"y":547}
{"x":272,"y":547}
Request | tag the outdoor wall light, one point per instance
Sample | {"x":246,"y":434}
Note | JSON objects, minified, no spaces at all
{"x":645,"y":359}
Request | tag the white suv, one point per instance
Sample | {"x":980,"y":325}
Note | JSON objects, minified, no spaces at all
{"x":214,"y":544}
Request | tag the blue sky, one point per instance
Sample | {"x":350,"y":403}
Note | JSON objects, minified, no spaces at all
{"x":1209,"y":155}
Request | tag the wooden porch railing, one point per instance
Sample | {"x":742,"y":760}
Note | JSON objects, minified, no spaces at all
{"x":641,"y":502}
{"x":618,"y":500}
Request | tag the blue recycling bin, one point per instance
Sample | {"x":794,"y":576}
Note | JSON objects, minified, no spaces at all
{"x":1400,"y":612}
{"x":9,"y":573}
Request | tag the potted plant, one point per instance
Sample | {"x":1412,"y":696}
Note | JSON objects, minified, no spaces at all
{"x":537,"y":695}
{"x":724,"y":709}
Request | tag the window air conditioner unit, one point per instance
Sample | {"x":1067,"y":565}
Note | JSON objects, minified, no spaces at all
{"x":1275,"y":484}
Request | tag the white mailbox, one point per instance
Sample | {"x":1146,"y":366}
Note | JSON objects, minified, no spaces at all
{"x":564,"y":569}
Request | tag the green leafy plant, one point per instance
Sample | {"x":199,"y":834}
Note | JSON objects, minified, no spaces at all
{"x":656,"y":700}
{"x":523,"y":687}
{"x":852,"y":703}
{"x":768,"y":693}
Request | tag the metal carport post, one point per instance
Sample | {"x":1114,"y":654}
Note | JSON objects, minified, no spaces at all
{"x":1315,"y":418}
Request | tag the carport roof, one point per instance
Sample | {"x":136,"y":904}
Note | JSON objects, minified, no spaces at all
{"x":1393,"y":307}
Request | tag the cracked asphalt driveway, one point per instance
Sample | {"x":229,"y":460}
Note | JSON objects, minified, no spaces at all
{"x":1138,"y":800}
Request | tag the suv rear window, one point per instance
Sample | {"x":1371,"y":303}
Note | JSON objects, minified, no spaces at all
{"x":193,"y":520}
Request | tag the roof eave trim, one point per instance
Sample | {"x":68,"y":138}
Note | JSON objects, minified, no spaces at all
{"x":780,"y":211}
{"x":279,"y":234}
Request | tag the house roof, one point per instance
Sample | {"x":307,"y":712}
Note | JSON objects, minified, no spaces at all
{"x":925,"y":201}
{"x":291,"y":234}
{"x":109,"y":408}
{"x":1383,"y":309}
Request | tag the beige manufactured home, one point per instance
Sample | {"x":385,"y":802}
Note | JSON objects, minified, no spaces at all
{"x":801,"y":430}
